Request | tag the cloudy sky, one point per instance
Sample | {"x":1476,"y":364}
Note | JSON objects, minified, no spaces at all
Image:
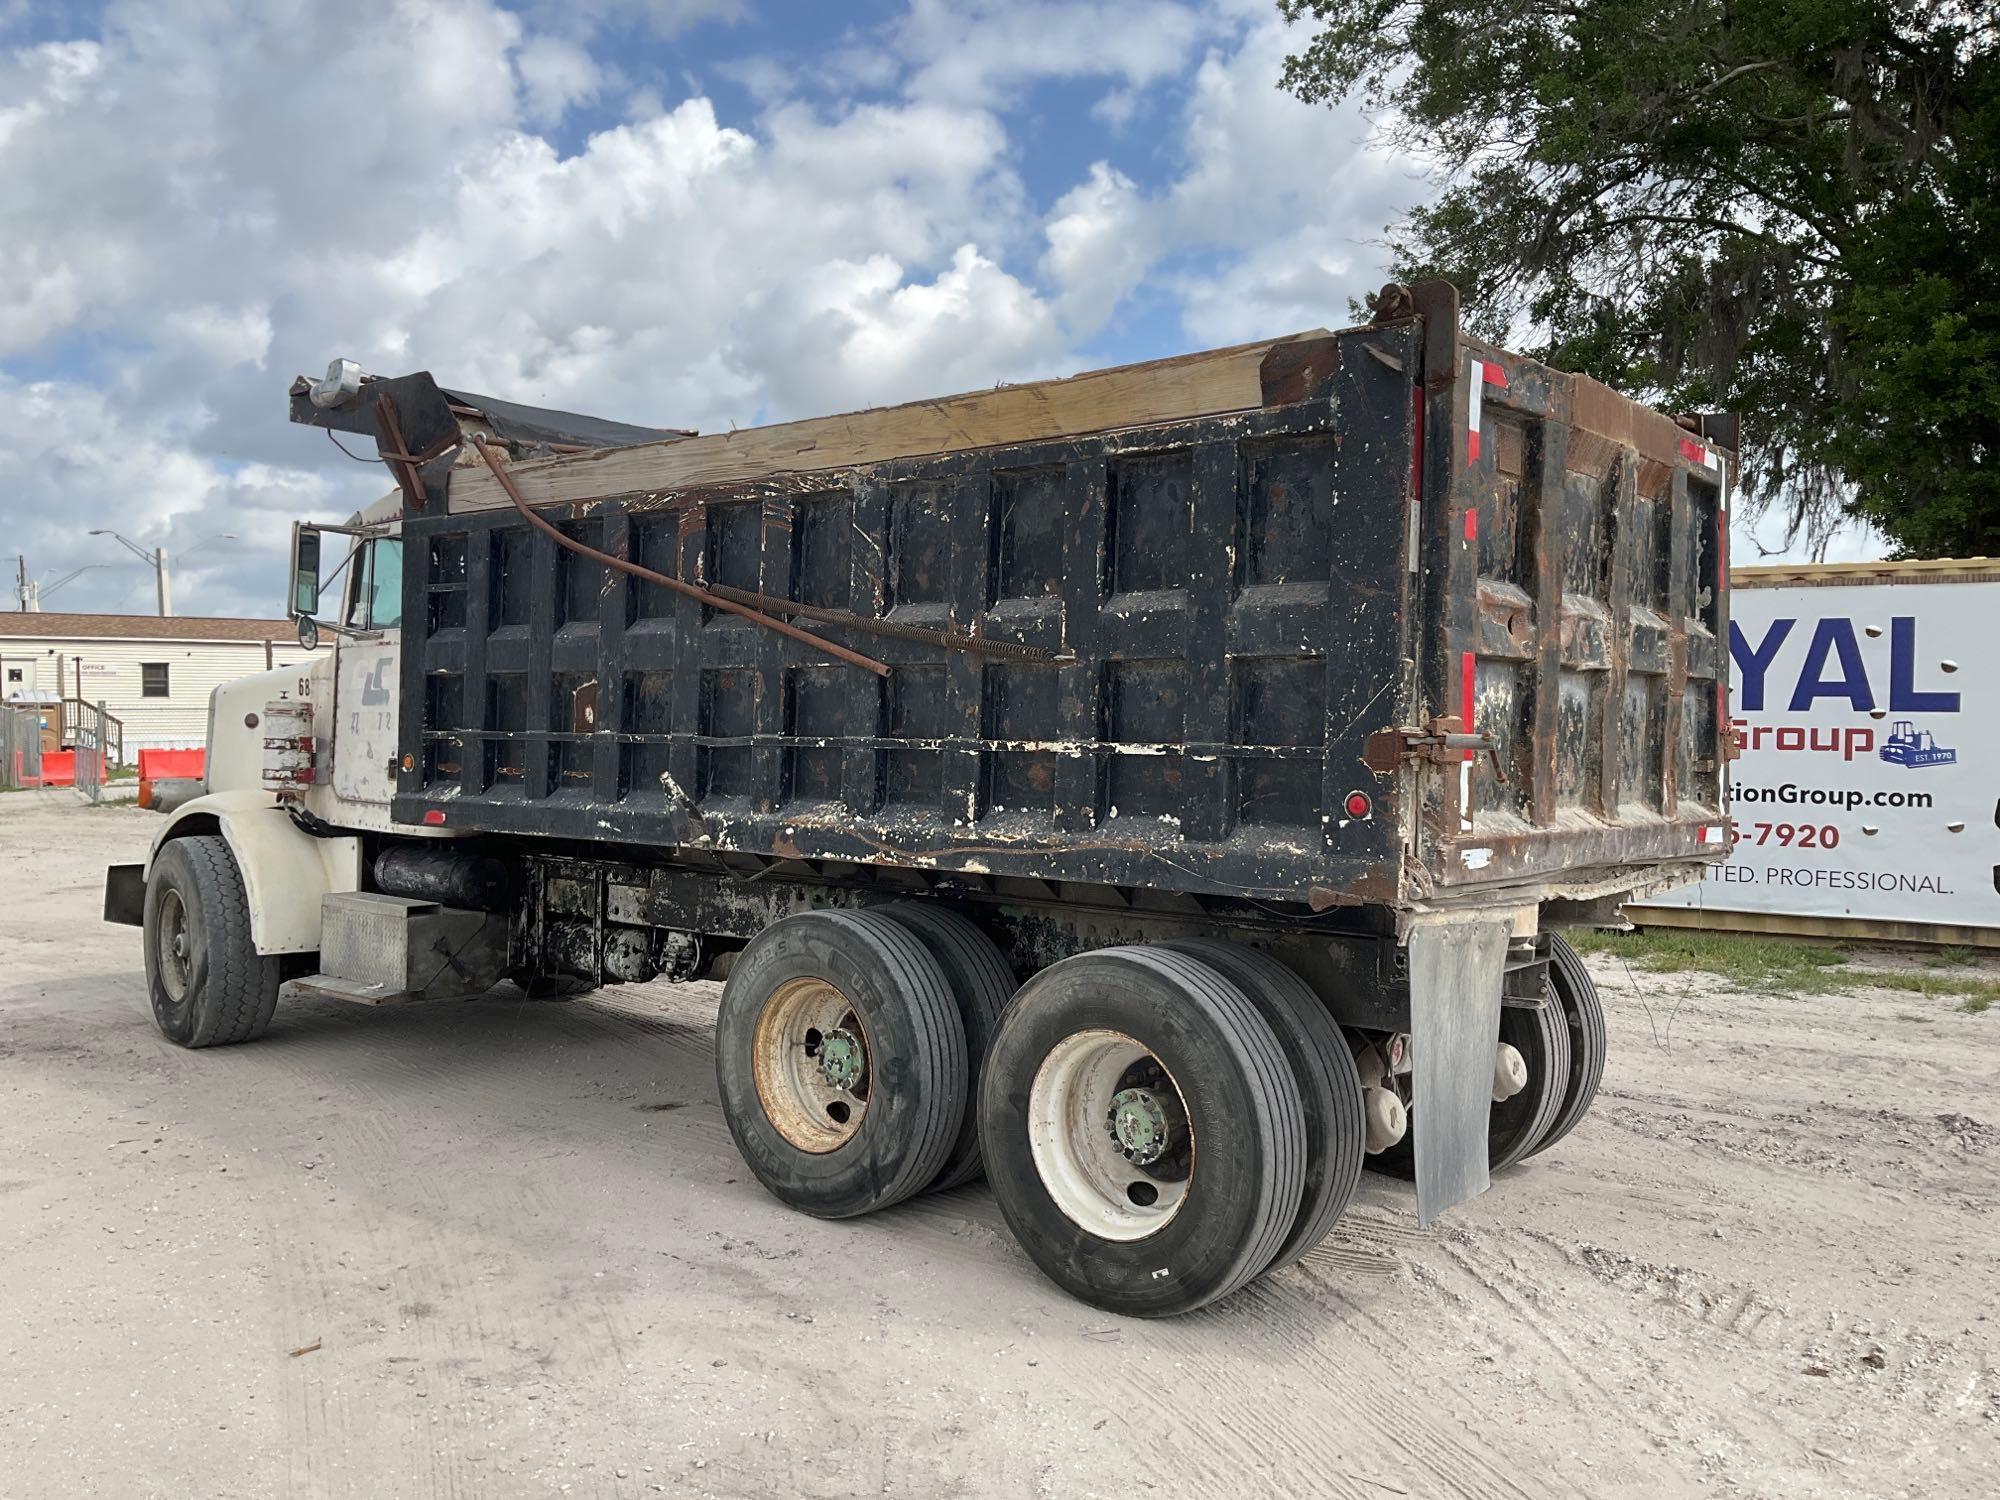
{"x":675,"y":212}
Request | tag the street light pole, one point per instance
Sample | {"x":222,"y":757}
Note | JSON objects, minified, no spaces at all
{"x":157,"y":559}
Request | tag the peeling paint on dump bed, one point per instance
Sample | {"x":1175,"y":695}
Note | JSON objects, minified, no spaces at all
{"x":1235,"y":609}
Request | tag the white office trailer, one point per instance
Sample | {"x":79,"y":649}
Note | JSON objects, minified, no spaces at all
{"x":1865,"y":800}
{"x":153,"y":675}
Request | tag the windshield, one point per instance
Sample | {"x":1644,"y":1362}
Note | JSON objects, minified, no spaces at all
{"x":378,"y":592}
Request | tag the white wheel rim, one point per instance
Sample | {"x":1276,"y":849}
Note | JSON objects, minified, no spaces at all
{"x":811,"y":1060}
{"x":1073,"y":1136}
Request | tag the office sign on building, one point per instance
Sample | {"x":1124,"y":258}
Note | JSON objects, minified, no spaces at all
{"x":1866,"y":705}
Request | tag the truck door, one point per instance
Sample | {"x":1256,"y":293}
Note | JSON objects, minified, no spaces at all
{"x":364,"y":685}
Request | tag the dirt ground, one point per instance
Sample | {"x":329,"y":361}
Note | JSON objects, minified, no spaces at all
{"x":526,"y":1261}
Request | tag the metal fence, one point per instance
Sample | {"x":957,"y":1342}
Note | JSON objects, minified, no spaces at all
{"x":110,"y":728}
{"x":20,"y":748}
{"x":93,"y":735}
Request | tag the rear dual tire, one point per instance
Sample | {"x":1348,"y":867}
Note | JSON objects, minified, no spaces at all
{"x":1144,"y":1134}
{"x":1571,"y":987}
{"x":842,"y":1063}
{"x":1322,"y":1067}
{"x":1563,"y":1044}
{"x":981,"y":982}
{"x":1159,"y":1125}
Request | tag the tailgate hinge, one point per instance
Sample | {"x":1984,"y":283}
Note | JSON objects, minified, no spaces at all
{"x":1443,"y":743}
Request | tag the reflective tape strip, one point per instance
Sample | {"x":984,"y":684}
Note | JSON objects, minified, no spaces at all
{"x":1467,"y":665}
{"x":1483,"y":374}
{"x":1472,"y":405}
{"x":1414,"y":541}
{"x":1466,"y":668}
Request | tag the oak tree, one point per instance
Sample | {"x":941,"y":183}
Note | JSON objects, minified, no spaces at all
{"x":1786,"y":208}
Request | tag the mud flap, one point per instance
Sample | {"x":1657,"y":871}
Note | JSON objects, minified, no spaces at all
{"x":125,"y":895}
{"x":1456,"y":973}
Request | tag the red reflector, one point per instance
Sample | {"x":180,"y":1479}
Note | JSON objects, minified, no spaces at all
{"x":435,"y":817}
{"x":1358,"y":805}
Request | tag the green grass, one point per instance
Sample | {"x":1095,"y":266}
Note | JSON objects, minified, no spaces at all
{"x":1754,"y":963}
{"x":1950,"y":958}
{"x":1777,"y":966}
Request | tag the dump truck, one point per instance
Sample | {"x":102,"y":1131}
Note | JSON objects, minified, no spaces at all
{"x":1157,"y":790}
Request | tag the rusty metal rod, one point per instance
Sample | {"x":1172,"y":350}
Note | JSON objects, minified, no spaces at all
{"x":714,"y":601}
{"x":392,"y":431}
{"x":929,"y":635}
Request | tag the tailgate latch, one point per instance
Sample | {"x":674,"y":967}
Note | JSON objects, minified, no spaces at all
{"x":1444,"y":742}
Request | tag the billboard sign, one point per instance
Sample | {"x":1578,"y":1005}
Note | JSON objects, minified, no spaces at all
{"x":1868,"y":784}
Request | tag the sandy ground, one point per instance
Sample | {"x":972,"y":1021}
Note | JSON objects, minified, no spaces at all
{"x":532,"y":1265}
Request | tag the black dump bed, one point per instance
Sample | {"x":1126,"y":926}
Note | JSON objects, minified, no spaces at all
{"x":1213,"y":633}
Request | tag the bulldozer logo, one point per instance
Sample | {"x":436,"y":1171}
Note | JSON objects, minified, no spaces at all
{"x":1908,"y":745}
{"x":376,"y":688}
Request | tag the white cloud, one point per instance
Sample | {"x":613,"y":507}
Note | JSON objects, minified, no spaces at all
{"x":83,"y":461}
{"x":226,"y":192}
{"x":556,"y":76}
{"x":661,"y":17}
{"x":1100,"y":245}
{"x":1282,"y":202}
{"x":975,"y":51}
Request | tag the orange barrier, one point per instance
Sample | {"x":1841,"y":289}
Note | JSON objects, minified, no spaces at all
{"x":58,"y":768}
{"x":170,"y":765}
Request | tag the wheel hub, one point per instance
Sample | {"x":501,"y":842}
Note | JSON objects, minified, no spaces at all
{"x":842,"y":1059}
{"x":1139,"y":1125}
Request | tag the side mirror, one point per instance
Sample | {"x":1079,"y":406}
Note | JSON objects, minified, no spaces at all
{"x":308,"y":633}
{"x":305,"y":571}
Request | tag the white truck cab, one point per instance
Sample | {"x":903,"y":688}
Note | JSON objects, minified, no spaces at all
{"x":300,"y":770}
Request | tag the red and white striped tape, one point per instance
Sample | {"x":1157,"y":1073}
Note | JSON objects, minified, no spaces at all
{"x":1483,"y":374}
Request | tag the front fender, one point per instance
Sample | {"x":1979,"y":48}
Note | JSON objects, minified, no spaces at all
{"x":285,"y":871}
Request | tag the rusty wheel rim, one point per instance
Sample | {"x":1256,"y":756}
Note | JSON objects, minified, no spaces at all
{"x":173,"y":945}
{"x":811,"y":1060}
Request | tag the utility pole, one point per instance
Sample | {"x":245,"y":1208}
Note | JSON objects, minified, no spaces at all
{"x":157,"y":560}
{"x":21,"y":580}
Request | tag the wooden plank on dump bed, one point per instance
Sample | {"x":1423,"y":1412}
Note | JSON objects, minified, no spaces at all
{"x":1194,"y":385}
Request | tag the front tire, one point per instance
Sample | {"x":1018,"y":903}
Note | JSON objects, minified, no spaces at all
{"x":208,"y":984}
{"x":1143,"y":1134}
